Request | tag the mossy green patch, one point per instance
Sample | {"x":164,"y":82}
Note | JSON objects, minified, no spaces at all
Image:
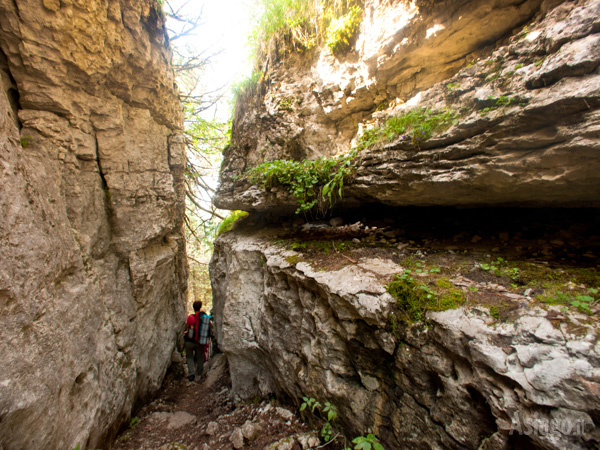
{"x":230,"y":220}
{"x":415,"y":298}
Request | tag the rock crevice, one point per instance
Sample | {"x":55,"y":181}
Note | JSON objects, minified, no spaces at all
{"x":94,"y":271}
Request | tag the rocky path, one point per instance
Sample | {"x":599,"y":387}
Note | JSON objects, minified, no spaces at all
{"x":204,"y":415}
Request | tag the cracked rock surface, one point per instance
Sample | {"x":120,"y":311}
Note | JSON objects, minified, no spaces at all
{"x":91,"y":199}
{"x":528,"y":104}
{"x":321,"y":326}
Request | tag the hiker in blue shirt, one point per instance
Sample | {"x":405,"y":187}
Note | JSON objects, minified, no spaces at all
{"x":197,"y":328}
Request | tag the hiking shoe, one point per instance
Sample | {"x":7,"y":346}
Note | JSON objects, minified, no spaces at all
{"x":192,"y":377}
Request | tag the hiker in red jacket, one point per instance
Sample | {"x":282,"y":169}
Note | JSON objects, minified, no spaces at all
{"x":197,"y":328}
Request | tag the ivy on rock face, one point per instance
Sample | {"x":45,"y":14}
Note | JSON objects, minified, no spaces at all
{"x":316,"y":184}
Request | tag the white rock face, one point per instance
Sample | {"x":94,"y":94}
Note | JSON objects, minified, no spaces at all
{"x":529,"y":108}
{"x":461,"y":383}
{"x":93,"y":266}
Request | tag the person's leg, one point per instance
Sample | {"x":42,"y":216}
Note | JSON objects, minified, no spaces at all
{"x":190,"y":356}
{"x":199,"y":357}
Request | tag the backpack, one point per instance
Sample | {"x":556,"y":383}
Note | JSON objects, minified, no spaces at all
{"x":195,"y":331}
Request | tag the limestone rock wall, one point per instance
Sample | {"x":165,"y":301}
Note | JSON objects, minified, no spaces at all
{"x":93,"y":269}
{"x":469,"y":57}
{"x":297,"y":330}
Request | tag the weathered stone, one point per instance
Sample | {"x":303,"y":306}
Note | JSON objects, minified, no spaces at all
{"x":237,"y":438}
{"x":212,"y":428}
{"x":251,"y":430}
{"x":535,"y":150}
{"x":283,"y":444}
{"x":93,"y":266}
{"x":305,"y":332}
{"x":308,"y":440}
{"x":180,"y":419}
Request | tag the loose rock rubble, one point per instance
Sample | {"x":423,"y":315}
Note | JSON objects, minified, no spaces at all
{"x":205,"y":415}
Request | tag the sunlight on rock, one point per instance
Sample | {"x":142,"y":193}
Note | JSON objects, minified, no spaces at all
{"x":390,"y":21}
{"x":433,"y":30}
{"x":533,"y":36}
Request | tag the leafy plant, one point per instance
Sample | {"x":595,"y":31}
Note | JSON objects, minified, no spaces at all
{"x":310,"y":403}
{"x":369,"y":442}
{"x":134,"y":422}
{"x":326,"y":431}
{"x":316,"y":184}
{"x":342,"y":30}
{"x":585,"y":303}
{"x":331,"y":411}
{"x":500,"y":267}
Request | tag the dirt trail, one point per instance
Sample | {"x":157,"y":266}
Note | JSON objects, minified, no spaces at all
{"x":203,"y":415}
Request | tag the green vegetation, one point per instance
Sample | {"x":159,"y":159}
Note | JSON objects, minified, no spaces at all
{"x":414,"y":298}
{"x":230,"y":220}
{"x":367,"y":443}
{"x":282,"y":26}
{"x":585,"y":303}
{"x":416,"y":126}
{"x":500,"y":267}
{"x":316,"y":185}
{"x":317,"y":246}
{"x":501,"y":102}
{"x":342,"y":30}
{"x":25,"y":141}
{"x":451,"y":86}
{"x":518,"y":66}
{"x":287,"y":104}
{"x":327,"y":414}
{"x":495,"y":312}
{"x":134,"y":422}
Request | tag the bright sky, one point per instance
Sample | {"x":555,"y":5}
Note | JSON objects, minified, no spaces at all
{"x":225,"y":26}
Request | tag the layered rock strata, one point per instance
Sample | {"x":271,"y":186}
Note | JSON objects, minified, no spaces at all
{"x":522,"y":83}
{"x":296,"y":329}
{"x":93,"y":269}
{"x":521,"y":77}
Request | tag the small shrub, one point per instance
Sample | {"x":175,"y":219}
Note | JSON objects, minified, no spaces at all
{"x":341,"y":31}
{"x":316,"y":184}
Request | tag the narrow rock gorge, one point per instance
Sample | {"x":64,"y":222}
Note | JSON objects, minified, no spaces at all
{"x":491,"y":219}
{"x":93,"y":268}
